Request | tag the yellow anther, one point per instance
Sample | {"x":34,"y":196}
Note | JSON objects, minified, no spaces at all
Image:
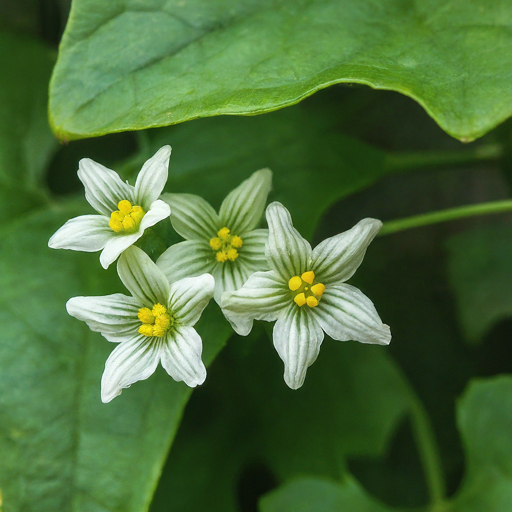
{"x":158,"y":331}
{"x":308,"y":277}
{"x":128,"y":224}
{"x":115,"y":224}
{"x":215,"y":244}
{"x":146,"y":316}
{"x":163,"y":321}
{"x":124,"y":206}
{"x":300,"y":299}
{"x":221,"y":256}
{"x":236,"y":242}
{"x":312,"y":301}
{"x":146,"y":329}
{"x":318,"y":289}
{"x":232,"y":254}
{"x":295,"y":283}
{"x":223,"y":233}
{"x":137,"y":213}
{"x":158,"y":310}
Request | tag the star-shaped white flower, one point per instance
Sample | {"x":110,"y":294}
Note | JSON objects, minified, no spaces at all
{"x":226,"y":244}
{"x":154,"y":325}
{"x":125,"y":211}
{"x":306,"y":293}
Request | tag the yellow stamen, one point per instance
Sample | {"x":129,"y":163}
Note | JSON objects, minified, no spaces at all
{"x":236,"y":242}
{"x":318,"y":289}
{"x":146,"y":316}
{"x":127,"y":219}
{"x":232,"y":254}
{"x":223,"y":233}
{"x":155,"y":322}
{"x":221,"y":256}
{"x":300,"y":299}
{"x":308,"y":277}
{"x":312,"y":301}
{"x":215,"y":244}
{"x":295,"y":283}
{"x":158,"y":310}
{"x":146,"y":329}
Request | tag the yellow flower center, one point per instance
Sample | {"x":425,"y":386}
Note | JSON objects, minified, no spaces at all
{"x":306,"y":291}
{"x":127,"y":218}
{"x":156,"y":321}
{"x":225,"y":245}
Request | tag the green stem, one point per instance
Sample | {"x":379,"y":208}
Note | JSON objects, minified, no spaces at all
{"x":402,"y":161}
{"x":425,"y":219}
{"x":429,"y":454}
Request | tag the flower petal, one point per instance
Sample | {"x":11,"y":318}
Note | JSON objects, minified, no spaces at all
{"x":345,"y":313}
{"x":131,"y":361}
{"x":143,"y":278}
{"x":287,"y":252}
{"x":103,"y":187}
{"x":114,"y":316}
{"x":336,"y":259}
{"x":189,"y":297}
{"x":262,"y":297}
{"x":152,"y":178}
{"x":159,"y":210}
{"x":192,"y":217}
{"x":252,"y":252}
{"x":229,"y":276}
{"x":115,"y":246}
{"x":297,"y":338}
{"x":181,"y":356}
{"x":88,"y":233}
{"x":186,"y":259}
{"x":243,"y":207}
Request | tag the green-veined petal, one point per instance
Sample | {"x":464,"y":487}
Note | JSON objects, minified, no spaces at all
{"x":192,"y":217}
{"x":262,"y":297}
{"x":129,"y":362}
{"x":187,"y":259}
{"x":189,"y":296}
{"x":243,"y":207}
{"x":336,"y":259}
{"x":116,"y":246}
{"x":252,"y":252}
{"x":88,"y":233}
{"x":103,"y":187}
{"x":152,"y":178}
{"x":345,"y":313}
{"x":287,"y":251}
{"x":181,"y":356}
{"x":297,"y":338}
{"x":114,"y":316}
{"x":143,"y":278}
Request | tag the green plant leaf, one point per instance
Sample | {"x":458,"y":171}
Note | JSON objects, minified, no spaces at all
{"x":480,"y":272}
{"x":318,"y":495}
{"x":124,"y":66}
{"x":26,"y":142}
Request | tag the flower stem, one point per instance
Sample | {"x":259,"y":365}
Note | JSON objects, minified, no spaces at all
{"x":426,"y":219}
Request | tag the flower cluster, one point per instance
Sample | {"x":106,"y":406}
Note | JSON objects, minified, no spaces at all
{"x":253,"y":274}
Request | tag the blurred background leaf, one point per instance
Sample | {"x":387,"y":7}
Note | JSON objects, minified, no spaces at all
{"x":127,"y":66}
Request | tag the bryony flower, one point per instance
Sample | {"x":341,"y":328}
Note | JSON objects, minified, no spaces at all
{"x":226,"y":244}
{"x":154,"y":325}
{"x":306,"y":293}
{"x":125,"y":211}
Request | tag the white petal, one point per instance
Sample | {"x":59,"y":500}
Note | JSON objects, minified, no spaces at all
{"x":181,"y":356}
{"x":262,"y":297}
{"x":243,"y":207}
{"x":158,"y":211}
{"x":115,"y":246}
{"x":252,"y":253}
{"x":297,"y":338}
{"x":287,"y":252}
{"x":192,"y":217}
{"x":186,"y":259}
{"x":345,"y":313}
{"x":129,"y":362}
{"x":88,"y":233}
{"x":337,"y":258}
{"x":188,"y":297}
{"x":152,"y":178}
{"x":143,"y":278}
{"x":114,"y":316}
{"x":103,"y":187}
{"x":229,"y":276}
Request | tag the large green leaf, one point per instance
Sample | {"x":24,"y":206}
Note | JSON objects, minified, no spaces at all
{"x":26,"y":142}
{"x":480,"y":271}
{"x":125,"y":65}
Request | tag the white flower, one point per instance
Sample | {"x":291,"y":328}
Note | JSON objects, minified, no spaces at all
{"x":226,"y":244}
{"x":306,"y":294}
{"x":125,"y":211}
{"x":154,"y":325}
